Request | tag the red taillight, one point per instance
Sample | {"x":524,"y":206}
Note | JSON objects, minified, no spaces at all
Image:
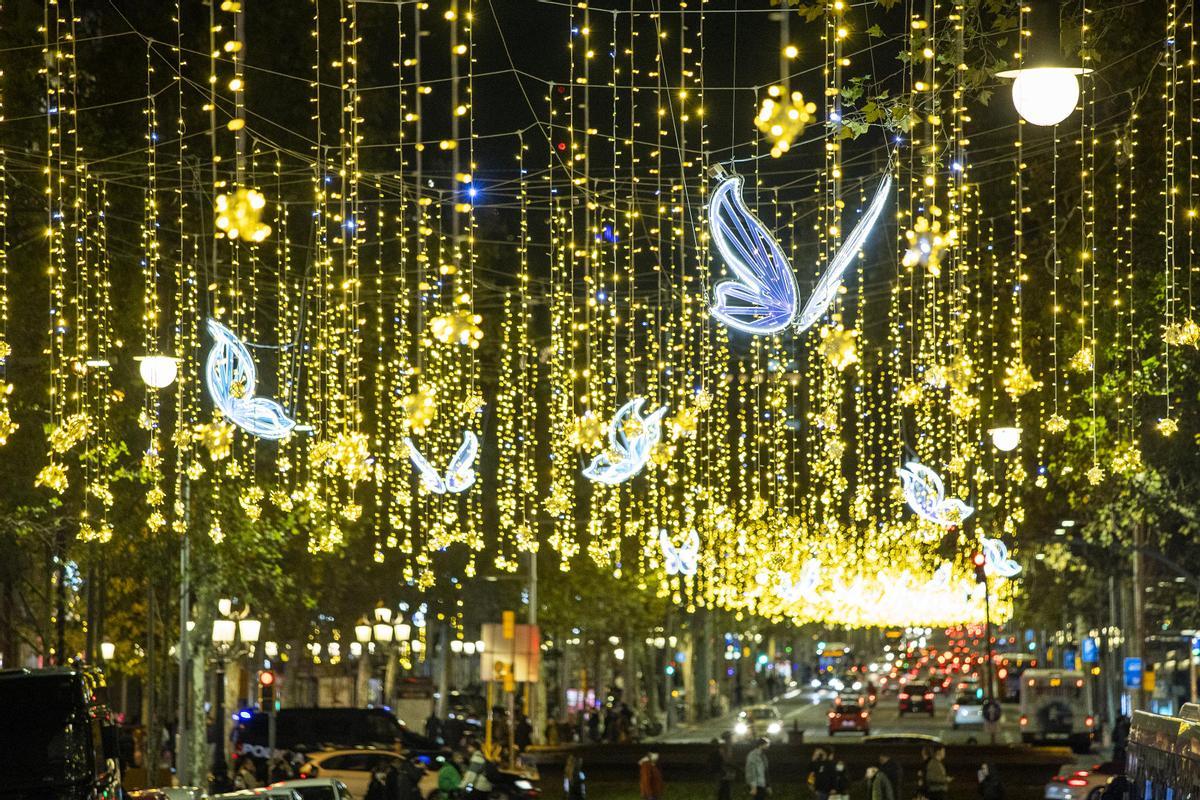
{"x":1090,"y":721}
{"x":832,"y":715}
{"x":1076,"y":782}
{"x":863,"y":715}
{"x":955,"y":707}
{"x":904,"y":695}
{"x":1081,"y":773}
{"x":1024,"y":720}
{"x":929,"y":695}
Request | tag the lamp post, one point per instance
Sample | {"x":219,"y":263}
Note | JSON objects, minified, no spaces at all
{"x":230,"y":638}
{"x":1045,"y":89}
{"x":387,"y":630}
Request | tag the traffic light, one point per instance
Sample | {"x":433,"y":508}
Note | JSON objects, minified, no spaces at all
{"x":266,"y":689}
{"x":979,"y":560}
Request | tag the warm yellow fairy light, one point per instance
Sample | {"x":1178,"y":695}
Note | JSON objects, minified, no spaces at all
{"x":239,"y":216}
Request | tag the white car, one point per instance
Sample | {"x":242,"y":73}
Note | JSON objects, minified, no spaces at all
{"x":353,"y":768}
{"x":757,"y":721}
{"x":967,"y":710}
{"x":1084,"y":781}
{"x":317,"y":789}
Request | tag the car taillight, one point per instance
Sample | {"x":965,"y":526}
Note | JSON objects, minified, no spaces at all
{"x":1024,"y":720}
{"x":1090,"y":721}
{"x":1081,"y":773}
{"x":832,"y":715}
{"x":863,"y":715}
{"x":1076,"y":782}
{"x":955,"y":707}
{"x":904,"y":695}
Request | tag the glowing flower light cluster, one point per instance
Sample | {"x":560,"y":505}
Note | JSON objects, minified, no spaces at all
{"x":457,"y":327}
{"x":240,"y":216}
{"x":927,"y":244}
{"x":782,"y":117}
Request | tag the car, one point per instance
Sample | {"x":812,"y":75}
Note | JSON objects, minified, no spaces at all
{"x":757,"y":721}
{"x":1081,"y":780}
{"x":916,"y":698}
{"x":967,"y":709}
{"x":849,"y":717}
{"x":318,"y":789}
{"x":259,"y":794}
{"x":351,"y":767}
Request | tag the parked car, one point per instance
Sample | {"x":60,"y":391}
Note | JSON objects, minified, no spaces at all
{"x":849,"y":717}
{"x":351,"y":767}
{"x":319,"y":789}
{"x":916,"y":698}
{"x":1081,"y":781}
{"x":757,"y":721}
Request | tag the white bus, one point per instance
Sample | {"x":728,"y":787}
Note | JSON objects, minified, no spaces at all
{"x":1056,"y":706}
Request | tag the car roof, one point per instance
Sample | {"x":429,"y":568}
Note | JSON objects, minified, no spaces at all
{"x":320,"y":755}
{"x":302,"y":782}
{"x":902,"y":738}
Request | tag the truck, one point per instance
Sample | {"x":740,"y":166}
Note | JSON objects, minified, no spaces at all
{"x":1056,"y":708}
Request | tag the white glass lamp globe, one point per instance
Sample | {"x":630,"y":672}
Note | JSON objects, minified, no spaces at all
{"x":1045,"y":95}
{"x":158,"y":372}
{"x":1006,"y":439}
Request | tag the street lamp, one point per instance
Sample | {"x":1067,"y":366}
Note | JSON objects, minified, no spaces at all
{"x":158,"y":371}
{"x":107,"y":650}
{"x":225,"y":635}
{"x":1045,"y":90}
{"x":1005,"y":438}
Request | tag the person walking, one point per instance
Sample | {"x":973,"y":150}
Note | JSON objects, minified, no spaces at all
{"x":724,"y":767}
{"x":824,"y":775}
{"x":402,"y":781}
{"x":475,"y":776}
{"x":990,"y":787}
{"x":523,"y":734}
{"x":880,"y":785}
{"x":377,"y":788}
{"x":895,"y":774}
{"x":756,"y":770}
{"x":937,"y":782}
{"x":650,"y":778}
{"x":841,"y":782}
{"x":433,"y":728}
{"x":449,"y":778}
{"x":574,"y":784}
{"x":247,"y":775}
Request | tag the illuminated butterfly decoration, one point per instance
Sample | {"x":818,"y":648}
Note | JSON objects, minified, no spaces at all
{"x":231,"y":377}
{"x":627,"y":453}
{"x":682,"y":559}
{"x":925,"y":494}
{"x":995,"y":553}
{"x":460,"y":474}
{"x":764,"y":297}
{"x":804,"y":587}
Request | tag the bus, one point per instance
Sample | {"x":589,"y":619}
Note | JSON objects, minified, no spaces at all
{"x":1163,"y":755}
{"x":1056,"y":707}
{"x":1009,"y":669}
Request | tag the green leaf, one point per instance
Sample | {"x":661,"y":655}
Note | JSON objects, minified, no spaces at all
{"x":875,"y":31}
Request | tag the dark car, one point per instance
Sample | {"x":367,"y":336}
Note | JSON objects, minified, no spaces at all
{"x":916,"y":698}
{"x":59,"y":739}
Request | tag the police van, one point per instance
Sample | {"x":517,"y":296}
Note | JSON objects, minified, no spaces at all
{"x":1056,"y":707}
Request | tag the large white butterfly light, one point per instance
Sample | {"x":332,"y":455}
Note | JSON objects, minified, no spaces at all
{"x":764,"y":297}
{"x":230,"y":375}
{"x":995,"y":554}
{"x":682,"y":559}
{"x":627,"y":454}
{"x":460,"y":474}
{"x":926,"y":496}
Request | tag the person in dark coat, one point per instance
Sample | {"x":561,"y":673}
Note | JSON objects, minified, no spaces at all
{"x":990,"y":787}
{"x":574,"y":781}
{"x":433,"y":728}
{"x":403,"y":779}
{"x":824,"y":775}
{"x":377,"y":788}
{"x":724,"y":767}
{"x":895,"y":774}
{"x":523,"y":734}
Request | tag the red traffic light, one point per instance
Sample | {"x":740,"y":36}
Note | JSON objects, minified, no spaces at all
{"x":266,"y":677}
{"x":979,"y":559}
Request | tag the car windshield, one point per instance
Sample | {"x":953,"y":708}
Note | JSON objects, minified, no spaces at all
{"x":316,"y":792}
{"x":46,"y":740}
{"x":848,"y":709}
{"x":762,"y":713}
{"x":917,"y":688}
{"x":969,"y":700}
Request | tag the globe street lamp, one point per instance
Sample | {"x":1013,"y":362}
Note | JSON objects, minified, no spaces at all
{"x":1046,"y":89}
{"x":158,"y":371}
{"x":230,"y":638}
{"x":1005,"y":438}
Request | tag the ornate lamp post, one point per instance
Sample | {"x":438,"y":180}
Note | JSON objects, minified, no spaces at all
{"x":231,"y":638}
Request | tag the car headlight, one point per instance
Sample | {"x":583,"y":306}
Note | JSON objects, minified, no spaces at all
{"x":814,"y":683}
{"x":741,"y":729}
{"x":774,"y":728}
{"x":836,"y":684}
{"x":522,"y":784}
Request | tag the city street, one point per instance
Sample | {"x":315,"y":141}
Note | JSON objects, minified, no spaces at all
{"x":807,"y":711}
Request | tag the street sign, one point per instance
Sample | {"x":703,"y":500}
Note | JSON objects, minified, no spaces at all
{"x":991,"y":711}
{"x":1133,"y":673}
{"x":1089,"y":650}
{"x":1068,"y":658}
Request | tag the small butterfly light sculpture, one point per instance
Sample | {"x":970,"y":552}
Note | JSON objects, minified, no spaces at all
{"x":631,"y":438}
{"x":682,"y":559}
{"x":460,"y":474}
{"x":803,"y":587}
{"x":926,"y":496}
{"x":230,"y":375}
{"x":995,"y":553}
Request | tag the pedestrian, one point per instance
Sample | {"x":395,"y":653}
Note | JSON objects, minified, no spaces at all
{"x":990,"y":787}
{"x":523,"y":734}
{"x":280,"y":768}
{"x":756,"y":770}
{"x":402,"y":780}
{"x":449,"y":778}
{"x":841,"y":782}
{"x":880,"y":785}
{"x":937,"y":782}
{"x":650,"y":778}
{"x":824,"y":775}
{"x":895,"y":774}
{"x":593,"y":725}
{"x":377,"y":788}
{"x":574,"y":786}
{"x":433,"y":728}
{"x":246,"y":776}
{"x":1117,"y":789}
{"x":1120,"y":738}
{"x":475,"y":777}
{"x":724,"y":767}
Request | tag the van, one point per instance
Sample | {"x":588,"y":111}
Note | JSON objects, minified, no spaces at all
{"x":58,"y":738}
{"x":304,"y":730}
